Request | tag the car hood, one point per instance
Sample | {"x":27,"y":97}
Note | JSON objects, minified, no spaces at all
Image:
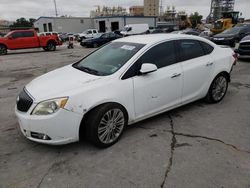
{"x":246,"y":39}
{"x":59,"y":83}
{"x":222,"y":35}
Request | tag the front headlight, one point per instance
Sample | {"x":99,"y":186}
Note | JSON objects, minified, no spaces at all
{"x":49,"y":106}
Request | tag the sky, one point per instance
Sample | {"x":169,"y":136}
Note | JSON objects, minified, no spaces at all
{"x":13,"y":9}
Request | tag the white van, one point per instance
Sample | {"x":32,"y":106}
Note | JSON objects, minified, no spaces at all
{"x":135,"y":29}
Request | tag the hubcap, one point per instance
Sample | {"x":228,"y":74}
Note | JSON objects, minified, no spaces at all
{"x":111,"y":126}
{"x":219,"y":88}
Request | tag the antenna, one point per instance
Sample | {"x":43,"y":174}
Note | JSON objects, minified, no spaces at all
{"x":55,"y":8}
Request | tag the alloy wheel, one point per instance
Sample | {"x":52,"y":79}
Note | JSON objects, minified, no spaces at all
{"x":111,"y":126}
{"x":219,"y":88}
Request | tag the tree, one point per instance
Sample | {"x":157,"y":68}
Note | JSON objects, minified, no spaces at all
{"x":195,"y":19}
{"x":22,"y":23}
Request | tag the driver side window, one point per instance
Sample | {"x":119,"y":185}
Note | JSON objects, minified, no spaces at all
{"x":16,"y":35}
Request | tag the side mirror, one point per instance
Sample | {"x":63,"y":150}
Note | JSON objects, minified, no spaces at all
{"x":148,"y":68}
{"x":10,"y":37}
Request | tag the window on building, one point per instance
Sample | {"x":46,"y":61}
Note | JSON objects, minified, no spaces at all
{"x":50,"y":27}
{"x":45,"y":27}
{"x":82,"y":21}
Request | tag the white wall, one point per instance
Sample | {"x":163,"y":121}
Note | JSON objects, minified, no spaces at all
{"x":124,"y":21}
{"x":65,"y":25}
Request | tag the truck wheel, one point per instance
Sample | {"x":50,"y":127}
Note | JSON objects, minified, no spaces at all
{"x":3,"y":50}
{"x":45,"y":48}
{"x":51,"y":46}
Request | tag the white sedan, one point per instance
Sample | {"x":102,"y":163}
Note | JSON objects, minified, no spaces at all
{"x":123,"y":82}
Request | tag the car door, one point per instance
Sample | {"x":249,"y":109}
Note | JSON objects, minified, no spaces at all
{"x":197,"y":66}
{"x":15,"y":40}
{"x":159,"y":90}
{"x":29,"y":39}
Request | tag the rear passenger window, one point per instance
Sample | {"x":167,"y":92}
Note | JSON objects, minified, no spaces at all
{"x":207,"y":48}
{"x":17,"y":35}
{"x":161,"y":55}
{"x":28,"y":34}
{"x":190,"y":49}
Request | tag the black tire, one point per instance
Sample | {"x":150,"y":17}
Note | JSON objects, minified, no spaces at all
{"x":221,"y":92}
{"x":93,"y":123}
{"x":95,"y":45}
{"x":51,"y":46}
{"x":45,"y":49}
{"x":3,"y":50}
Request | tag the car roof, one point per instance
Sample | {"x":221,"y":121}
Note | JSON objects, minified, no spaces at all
{"x":155,"y":38}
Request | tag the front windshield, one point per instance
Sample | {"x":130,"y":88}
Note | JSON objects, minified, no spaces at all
{"x":233,"y":30}
{"x":108,"y":59}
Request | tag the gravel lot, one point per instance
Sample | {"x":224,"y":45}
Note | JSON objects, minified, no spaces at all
{"x":198,"y":145}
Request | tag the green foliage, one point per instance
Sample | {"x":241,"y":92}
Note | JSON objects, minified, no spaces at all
{"x":22,"y":23}
{"x":195,"y":19}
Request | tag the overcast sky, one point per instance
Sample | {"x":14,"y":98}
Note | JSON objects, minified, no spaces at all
{"x":13,"y":9}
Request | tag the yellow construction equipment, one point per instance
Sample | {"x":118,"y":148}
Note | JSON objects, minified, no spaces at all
{"x":228,"y":20}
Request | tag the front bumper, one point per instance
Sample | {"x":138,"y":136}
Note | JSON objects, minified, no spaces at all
{"x":61,"y":127}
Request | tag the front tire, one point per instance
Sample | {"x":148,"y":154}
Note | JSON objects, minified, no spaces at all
{"x":3,"y":50}
{"x":218,"y":89}
{"x":105,"y":124}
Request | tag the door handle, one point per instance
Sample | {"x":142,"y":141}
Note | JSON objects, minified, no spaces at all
{"x":175,"y":75}
{"x":209,"y":64}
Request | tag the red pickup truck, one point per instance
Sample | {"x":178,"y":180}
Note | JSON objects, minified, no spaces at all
{"x":23,"y":39}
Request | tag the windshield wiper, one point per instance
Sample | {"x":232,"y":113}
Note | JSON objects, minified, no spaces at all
{"x":89,"y":70}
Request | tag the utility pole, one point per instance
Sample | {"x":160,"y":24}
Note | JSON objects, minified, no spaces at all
{"x":55,"y":8}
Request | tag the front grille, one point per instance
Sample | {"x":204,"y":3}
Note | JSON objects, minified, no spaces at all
{"x":24,"y":102}
{"x":245,"y":45}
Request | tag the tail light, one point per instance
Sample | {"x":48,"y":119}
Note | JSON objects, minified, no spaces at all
{"x":235,"y":56}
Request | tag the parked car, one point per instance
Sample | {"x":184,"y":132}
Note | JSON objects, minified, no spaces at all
{"x":154,"y":31}
{"x":135,"y":29}
{"x":231,"y":36}
{"x":187,"y":32}
{"x":90,"y":33}
{"x":22,"y":39}
{"x":244,"y":47}
{"x":123,"y":82}
{"x":48,"y":34}
{"x":100,"y":40}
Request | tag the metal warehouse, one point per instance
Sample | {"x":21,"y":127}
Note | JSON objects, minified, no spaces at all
{"x":79,"y":24}
{"x":63,"y":24}
{"x":113,"y":23}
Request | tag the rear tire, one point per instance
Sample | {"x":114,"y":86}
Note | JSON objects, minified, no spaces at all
{"x":51,"y":46}
{"x":217,"y":89}
{"x":3,"y":50}
{"x":105,"y":124}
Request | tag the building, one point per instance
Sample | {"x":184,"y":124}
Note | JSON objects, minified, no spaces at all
{"x":151,"y":7}
{"x":80,"y":24}
{"x":63,"y":24}
{"x":136,"y":11}
{"x":112,"y":23}
{"x":108,"y":11}
{"x":4,"y":26}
